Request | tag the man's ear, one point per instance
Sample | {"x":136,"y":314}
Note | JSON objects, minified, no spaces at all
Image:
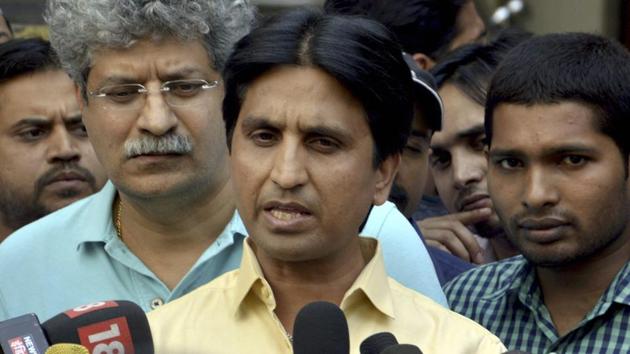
{"x":386,"y":172}
{"x":424,"y":61}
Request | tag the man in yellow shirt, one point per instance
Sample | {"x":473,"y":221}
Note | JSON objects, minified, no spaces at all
{"x":317,"y":111}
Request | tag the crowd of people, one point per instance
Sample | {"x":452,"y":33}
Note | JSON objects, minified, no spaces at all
{"x":464,"y":190}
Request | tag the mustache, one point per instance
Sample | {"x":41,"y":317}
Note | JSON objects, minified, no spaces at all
{"x":63,"y":168}
{"x":154,"y":145}
{"x":459,"y":201}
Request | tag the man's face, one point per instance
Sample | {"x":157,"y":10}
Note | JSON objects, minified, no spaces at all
{"x":157,"y":149}
{"x":302,"y":166}
{"x":469,"y":25}
{"x":47,"y":159}
{"x":559,"y":185}
{"x":413,"y":171}
{"x":458,"y":161}
{"x":5,"y":32}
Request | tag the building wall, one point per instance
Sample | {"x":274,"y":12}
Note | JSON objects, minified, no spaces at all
{"x":544,"y":16}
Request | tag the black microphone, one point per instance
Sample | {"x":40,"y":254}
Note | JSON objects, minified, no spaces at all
{"x":402,"y":349}
{"x":377,"y":342}
{"x":321,"y":327}
{"x":22,"y":334}
{"x":107,"y":326}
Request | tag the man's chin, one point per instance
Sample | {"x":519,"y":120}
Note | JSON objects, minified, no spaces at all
{"x":54,"y":204}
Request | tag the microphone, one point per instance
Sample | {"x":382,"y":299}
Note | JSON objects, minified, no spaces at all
{"x":67,"y":348}
{"x":103,"y":327}
{"x":402,"y":349}
{"x":22,"y":334}
{"x":320,"y":327}
{"x":376,"y":343}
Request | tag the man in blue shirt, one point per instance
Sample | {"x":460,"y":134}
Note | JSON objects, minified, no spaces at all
{"x":147,"y":74}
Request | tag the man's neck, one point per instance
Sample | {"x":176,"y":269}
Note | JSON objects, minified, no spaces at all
{"x":169,"y":235}
{"x":296,"y":284}
{"x":571,"y":292}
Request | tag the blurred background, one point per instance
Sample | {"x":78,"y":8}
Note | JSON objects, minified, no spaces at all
{"x":607,"y":17}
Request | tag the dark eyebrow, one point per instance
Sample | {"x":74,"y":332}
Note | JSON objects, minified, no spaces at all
{"x":465,"y":134}
{"x":338,"y":134}
{"x":472,"y":131}
{"x":497,"y":153}
{"x":571,"y":149}
{"x":553,"y":151}
{"x":32,"y":121}
{"x":251,"y":123}
{"x":74,"y":119}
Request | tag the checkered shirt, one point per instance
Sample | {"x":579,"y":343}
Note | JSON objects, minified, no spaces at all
{"x":505,"y":298}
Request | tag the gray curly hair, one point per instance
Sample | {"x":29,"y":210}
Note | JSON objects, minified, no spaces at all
{"x":78,"y":27}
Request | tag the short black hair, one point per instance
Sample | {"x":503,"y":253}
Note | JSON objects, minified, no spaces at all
{"x":470,"y":67}
{"x":359,"y":53}
{"x":24,"y":56}
{"x":421,"y":26}
{"x":576,"y":67}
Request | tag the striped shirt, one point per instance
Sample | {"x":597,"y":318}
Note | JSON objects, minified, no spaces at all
{"x":505,"y":298}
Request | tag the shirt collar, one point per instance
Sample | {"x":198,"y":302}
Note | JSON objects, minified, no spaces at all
{"x":619,"y":289}
{"x":525,"y":285}
{"x":372,"y":282}
{"x":97,"y":216}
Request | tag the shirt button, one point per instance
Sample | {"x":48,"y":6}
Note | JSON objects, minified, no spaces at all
{"x":157,"y":302}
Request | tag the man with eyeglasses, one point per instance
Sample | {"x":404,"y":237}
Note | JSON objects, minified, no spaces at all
{"x":147,"y":75}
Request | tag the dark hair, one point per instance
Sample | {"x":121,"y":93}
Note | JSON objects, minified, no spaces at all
{"x":359,"y":53}
{"x":23,"y":56}
{"x":421,"y":26}
{"x":579,"y":67}
{"x":470,"y":67}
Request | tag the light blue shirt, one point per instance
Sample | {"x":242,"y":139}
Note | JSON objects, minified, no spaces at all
{"x":73,"y":257}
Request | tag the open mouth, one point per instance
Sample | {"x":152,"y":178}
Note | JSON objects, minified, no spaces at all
{"x":286,"y":215}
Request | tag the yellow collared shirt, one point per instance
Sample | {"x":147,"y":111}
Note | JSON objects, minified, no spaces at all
{"x":234,"y":314}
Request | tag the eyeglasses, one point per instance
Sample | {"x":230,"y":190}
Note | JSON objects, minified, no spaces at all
{"x":176,"y":93}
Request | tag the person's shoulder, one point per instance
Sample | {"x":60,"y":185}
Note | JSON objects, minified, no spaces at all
{"x":43,"y":230}
{"x":61,"y":228}
{"x":386,"y":219}
{"x":413,"y":309}
{"x":487,"y":281}
{"x":209,"y":296}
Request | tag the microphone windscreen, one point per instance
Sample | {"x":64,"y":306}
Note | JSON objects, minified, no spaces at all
{"x":107,"y":326}
{"x":377,"y":342}
{"x":67,"y":348}
{"x":22,"y":334}
{"x":320,"y":327}
{"x":402,"y":349}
